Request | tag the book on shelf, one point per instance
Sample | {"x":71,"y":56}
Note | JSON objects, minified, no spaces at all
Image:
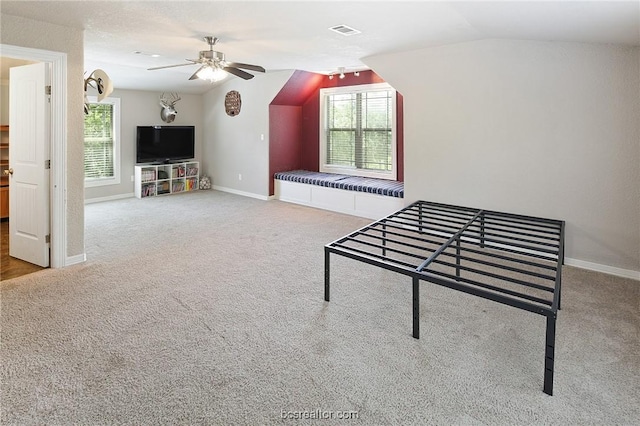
{"x":148,"y":175}
{"x":178,"y":171}
{"x":178,"y":186}
{"x":192,"y":184}
{"x":163,"y":188}
{"x":148,"y":190}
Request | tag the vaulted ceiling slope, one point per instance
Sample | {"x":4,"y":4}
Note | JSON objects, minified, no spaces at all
{"x":295,"y":35}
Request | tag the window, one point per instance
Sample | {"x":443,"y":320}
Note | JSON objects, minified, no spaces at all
{"x":102,"y":142}
{"x":358,"y":134}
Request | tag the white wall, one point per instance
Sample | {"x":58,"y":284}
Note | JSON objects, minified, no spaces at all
{"x":539,"y":128}
{"x":233,"y":145}
{"x":141,"y":108}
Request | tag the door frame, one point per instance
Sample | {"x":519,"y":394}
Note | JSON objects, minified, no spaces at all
{"x":58,"y":61}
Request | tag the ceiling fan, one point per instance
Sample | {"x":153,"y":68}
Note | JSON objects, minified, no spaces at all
{"x":214,"y":67}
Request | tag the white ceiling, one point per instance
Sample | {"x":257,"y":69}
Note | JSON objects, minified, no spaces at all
{"x":294,"y":34}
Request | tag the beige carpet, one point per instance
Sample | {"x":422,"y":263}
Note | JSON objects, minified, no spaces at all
{"x":207,"y":308}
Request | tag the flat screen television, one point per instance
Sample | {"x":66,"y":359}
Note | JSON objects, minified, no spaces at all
{"x":164,"y":144}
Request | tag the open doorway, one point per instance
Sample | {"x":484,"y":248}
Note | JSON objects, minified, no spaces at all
{"x":12,"y":267}
{"x":57,"y":187}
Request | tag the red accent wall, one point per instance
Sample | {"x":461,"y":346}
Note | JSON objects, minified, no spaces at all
{"x":285,"y":134}
{"x":298,"y":89}
{"x":311,"y":133}
{"x":294,"y":121}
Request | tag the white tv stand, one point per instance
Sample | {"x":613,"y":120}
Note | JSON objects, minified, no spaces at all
{"x":163,"y":179}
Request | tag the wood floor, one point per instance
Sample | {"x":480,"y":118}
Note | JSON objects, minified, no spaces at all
{"x":10,"y":267}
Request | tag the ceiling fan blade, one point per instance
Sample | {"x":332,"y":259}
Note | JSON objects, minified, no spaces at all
{"x":246,"y":66}
{"x":238,"y":73}
{"x":195,"y":74}
{"x":172,"y":66}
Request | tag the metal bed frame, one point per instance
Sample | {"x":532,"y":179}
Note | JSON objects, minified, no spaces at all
{"x":511,"y":259}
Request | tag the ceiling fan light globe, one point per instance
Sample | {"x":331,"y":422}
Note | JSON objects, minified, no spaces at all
{"x":211,"y":74}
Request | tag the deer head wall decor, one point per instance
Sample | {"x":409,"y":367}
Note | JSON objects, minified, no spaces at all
{"x":168,"y":112}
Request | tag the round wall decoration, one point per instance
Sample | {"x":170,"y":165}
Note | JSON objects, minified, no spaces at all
{"x":232,"y":103}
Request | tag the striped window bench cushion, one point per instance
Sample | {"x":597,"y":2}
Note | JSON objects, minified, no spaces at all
{"x":390,"y":188}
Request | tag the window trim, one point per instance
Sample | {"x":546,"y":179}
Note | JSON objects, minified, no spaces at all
{"x":353,"y":171}
{"x":115,"y":180}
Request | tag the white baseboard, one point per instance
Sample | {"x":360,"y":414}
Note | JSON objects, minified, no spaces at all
{"x":243,"y":193}
{"x":109,"y":198}
{"x":597,"y":267}
{"x":73,"y":260}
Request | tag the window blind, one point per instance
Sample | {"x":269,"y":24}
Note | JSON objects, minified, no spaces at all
{"x":99,"y":141}
{"x":359,"y":130}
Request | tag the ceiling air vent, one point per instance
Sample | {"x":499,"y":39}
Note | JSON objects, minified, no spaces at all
{"x":344,"y":30}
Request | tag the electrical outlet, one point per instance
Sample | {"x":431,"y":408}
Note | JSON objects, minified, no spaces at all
{"x":239,"y":176}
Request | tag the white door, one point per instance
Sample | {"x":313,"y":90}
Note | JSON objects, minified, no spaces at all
{"x":29,"y":142}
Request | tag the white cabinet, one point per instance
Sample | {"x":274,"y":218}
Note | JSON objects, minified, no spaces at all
{"x":161,"y":179}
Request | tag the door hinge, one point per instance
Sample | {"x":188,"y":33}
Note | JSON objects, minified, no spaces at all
{"x":47,"y":238}
{"x":47,"y":164}
{"x":47,"y":90}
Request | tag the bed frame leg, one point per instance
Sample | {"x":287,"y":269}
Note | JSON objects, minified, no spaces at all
{"x":560,"y":289}
{"x":559,"y":293}
{"x":416,"y":308}
{"x":549,"y":354}
{"x":326,"y":274}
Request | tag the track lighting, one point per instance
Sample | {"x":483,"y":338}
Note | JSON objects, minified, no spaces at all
{"x":341,"y":73}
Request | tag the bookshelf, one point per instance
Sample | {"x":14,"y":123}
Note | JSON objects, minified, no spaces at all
{"x":163,"y":179}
